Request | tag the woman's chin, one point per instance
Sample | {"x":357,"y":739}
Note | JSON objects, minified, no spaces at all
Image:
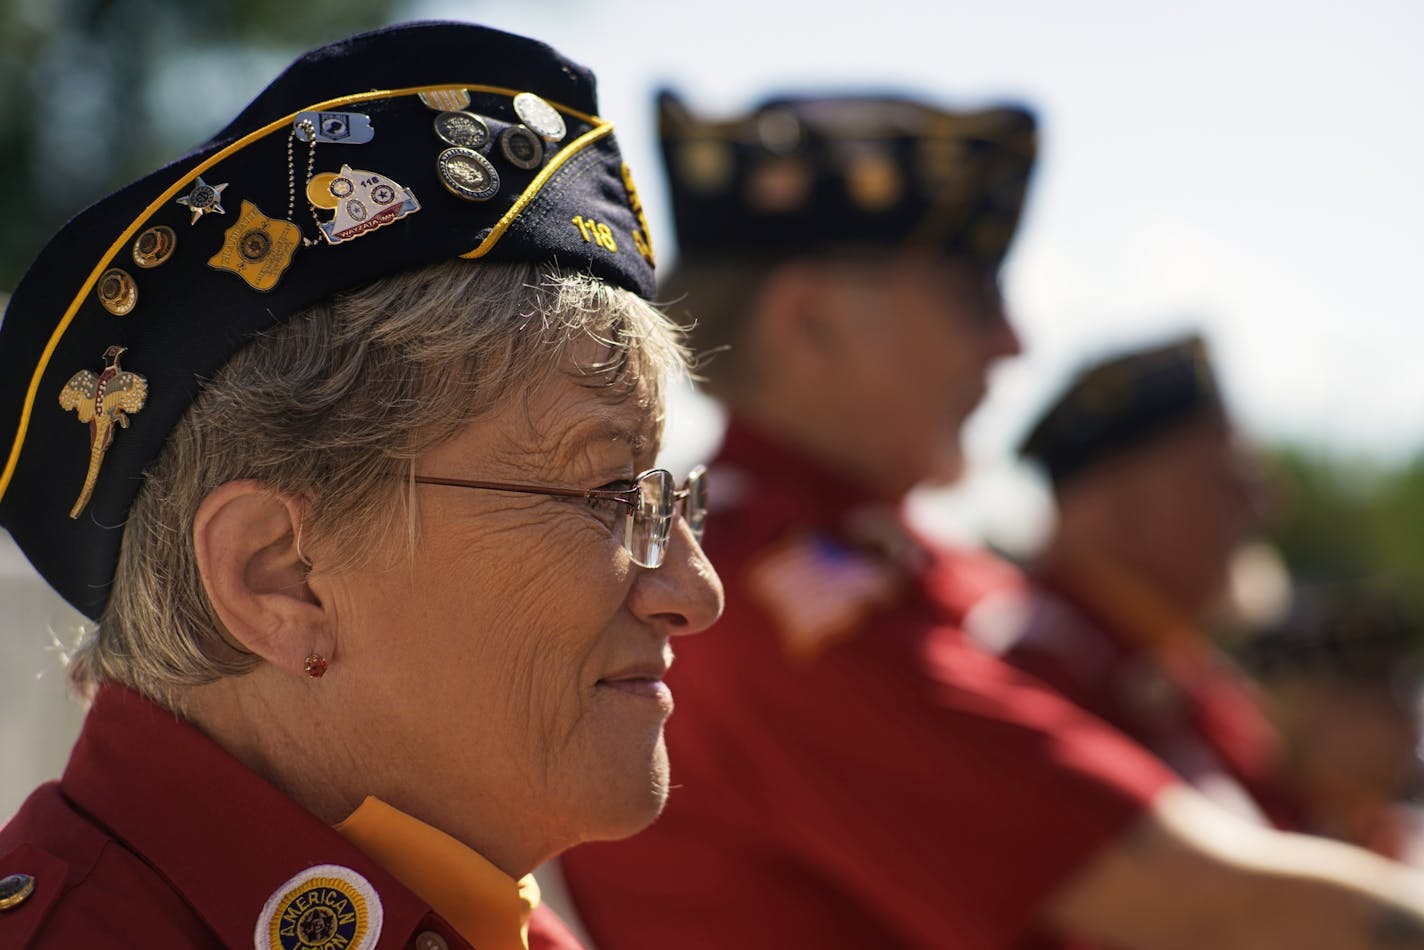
{"x":634,"y":800}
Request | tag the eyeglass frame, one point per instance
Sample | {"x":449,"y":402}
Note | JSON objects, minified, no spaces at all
{"x":627,"y":496}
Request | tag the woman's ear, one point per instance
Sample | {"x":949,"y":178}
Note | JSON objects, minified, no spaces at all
{"x":247,"y":540}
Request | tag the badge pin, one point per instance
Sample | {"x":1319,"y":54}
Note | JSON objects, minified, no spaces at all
{"x":203,"y":199}
{"x":257,"y":248}
{"x":873,"y":182}
{"x":539,"y":116}
{"x":337,"y":128}
{"x":522,"y":147}
{"x":322,"y":908}
{"x":446,"y":100}
{"x":15,"y":889}
{"x":464,"y":129}
{"x":467,"y":173}
{"x":102,"y":402}
{"x":154,"y":246}
{"x":365,"y":201}
{"x":117,"y":291}
{"x":705,"y":165}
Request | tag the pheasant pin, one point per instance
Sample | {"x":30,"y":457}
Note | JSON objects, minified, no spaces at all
{"x":102,"y":401}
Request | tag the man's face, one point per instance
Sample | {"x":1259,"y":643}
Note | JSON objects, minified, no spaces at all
{"x":1187,"y":502}
{"x":922,"y":335}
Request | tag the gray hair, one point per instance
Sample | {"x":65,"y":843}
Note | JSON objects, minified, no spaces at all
{"x":335,"y":405}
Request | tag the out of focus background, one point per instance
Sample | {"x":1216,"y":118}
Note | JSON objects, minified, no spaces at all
{"x":1249,"y":171}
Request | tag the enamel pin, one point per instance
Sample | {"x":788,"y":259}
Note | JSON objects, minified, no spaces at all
{"x":203,"y":199}
{"x":117,"y":291}
{"x":446,"y":100}
{"x":464,"y":129}
{"x":467,"y":173}
{"x":364,"y":201}
{"x":103,"y":402}
{"x":257,"y":248}
{"x":338,"y":128}
{"x":539,"y":116}
{"x":154,"y":246}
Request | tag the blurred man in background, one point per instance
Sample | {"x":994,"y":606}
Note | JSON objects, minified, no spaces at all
{"x":849,"y":770}
{"x":1154,"y":495}
{"x":1340,"y":673}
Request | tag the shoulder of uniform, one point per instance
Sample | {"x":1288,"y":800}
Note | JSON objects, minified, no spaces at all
{"x":46,"y":850}
{"x":32,"y":880}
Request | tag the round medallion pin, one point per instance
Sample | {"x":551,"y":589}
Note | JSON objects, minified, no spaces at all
{"x":464,"y":129}
{"x":539,"y":116}
{"x":326,"y":907}
{"x":467,"y":173}
{"x":521,"y":147}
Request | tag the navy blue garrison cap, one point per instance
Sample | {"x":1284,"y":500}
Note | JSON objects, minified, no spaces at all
{"x":375,"y":155}
{"x":1121,"y":402}
{"x":798,"y":175}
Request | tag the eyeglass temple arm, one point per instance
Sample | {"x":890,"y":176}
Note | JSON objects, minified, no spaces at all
{"x":599,"y":493}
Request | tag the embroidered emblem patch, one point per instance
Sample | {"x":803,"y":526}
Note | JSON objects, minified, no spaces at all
{"x":257,"y":248}
{"x":327,"y":907}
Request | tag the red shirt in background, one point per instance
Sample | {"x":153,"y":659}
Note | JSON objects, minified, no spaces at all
{"x":849,"y":771}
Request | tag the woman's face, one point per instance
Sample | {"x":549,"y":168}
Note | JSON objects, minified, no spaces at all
{"x":509,"y":675}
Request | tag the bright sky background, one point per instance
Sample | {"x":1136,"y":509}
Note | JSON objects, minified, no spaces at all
{"x":1251,"y":169}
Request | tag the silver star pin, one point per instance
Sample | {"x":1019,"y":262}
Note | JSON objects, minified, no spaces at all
{"x":204,"y":199}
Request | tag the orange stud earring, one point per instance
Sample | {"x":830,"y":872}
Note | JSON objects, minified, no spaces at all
{"x":315,"y":666}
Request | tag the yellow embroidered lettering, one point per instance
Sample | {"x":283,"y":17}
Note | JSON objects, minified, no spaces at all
{"x":592,"y":231}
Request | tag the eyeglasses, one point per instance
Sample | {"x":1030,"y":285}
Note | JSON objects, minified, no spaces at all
{"x":651,"y":504}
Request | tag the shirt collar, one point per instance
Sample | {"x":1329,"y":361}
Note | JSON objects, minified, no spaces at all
{"x":222,"y":837}
{"x":489,"y":908}
{"x":788,"y":479}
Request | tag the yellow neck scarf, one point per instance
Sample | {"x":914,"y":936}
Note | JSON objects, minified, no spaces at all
{"x":489,"y":908}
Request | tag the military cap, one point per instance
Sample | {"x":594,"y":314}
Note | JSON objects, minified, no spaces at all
{"x":797,"y":175}
{"x":371,"y":156}
{"x":1361,"y":630}
{"x":1120,"y":402}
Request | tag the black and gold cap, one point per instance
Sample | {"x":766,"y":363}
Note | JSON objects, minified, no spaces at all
{"x":1123,"y":401}
{"x":797,"y":175}
{"x":371,"y":156}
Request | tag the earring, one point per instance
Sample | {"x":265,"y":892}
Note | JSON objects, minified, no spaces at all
{"x":315,"y":666}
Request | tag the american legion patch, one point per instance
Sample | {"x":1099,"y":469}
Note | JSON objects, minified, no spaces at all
{"x":326,"y":907}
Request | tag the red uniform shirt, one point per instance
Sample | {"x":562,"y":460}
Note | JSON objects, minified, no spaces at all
{"x":847,"y":770}
{"x":1104,"y":642}
{"x":156,"y":837}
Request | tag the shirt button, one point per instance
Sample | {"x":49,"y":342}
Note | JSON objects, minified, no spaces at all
{"x":16,"y":889}
{"x":430,"y":940}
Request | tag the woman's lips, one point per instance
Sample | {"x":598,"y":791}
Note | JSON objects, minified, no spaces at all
{"x":641,"y":683}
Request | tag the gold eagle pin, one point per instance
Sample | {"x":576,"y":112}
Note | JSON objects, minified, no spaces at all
{"x":103,"y":401}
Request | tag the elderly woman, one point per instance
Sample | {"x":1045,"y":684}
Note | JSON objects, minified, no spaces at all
{"x":385,"y":580}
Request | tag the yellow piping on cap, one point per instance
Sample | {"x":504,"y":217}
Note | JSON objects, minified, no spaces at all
{"x":545,"y":173}
{"x":27,"y":409}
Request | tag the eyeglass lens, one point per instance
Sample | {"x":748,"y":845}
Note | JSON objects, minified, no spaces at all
{"x":650,"y":523}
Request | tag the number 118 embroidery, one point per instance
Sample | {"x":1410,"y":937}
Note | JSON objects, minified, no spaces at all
{"x":599,"y":234}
